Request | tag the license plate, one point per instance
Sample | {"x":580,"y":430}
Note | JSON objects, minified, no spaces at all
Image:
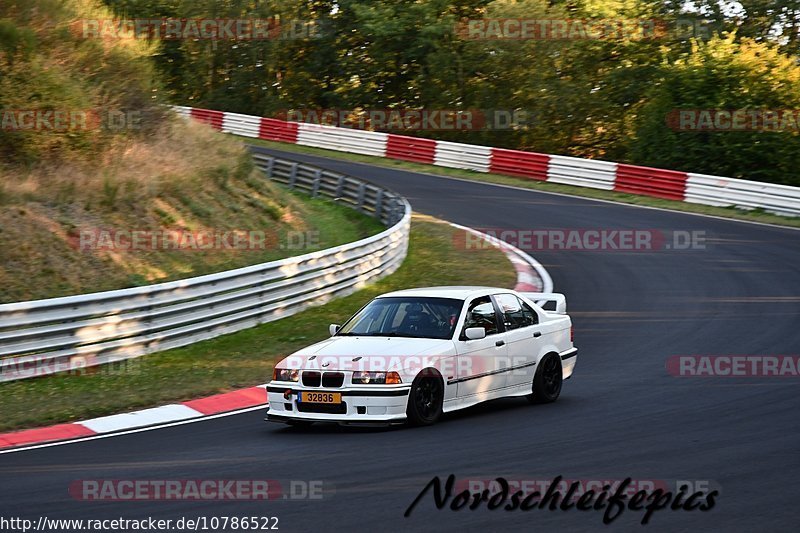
{"x":320,"y":397}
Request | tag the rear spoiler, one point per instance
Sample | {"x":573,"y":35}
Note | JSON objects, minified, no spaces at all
{"x":542,"y":298}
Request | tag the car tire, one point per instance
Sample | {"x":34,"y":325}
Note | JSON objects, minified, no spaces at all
{"x":547,"y":380}
{"x":425,"y":400}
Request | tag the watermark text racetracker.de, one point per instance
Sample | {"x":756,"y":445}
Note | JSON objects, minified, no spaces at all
{"x":585,"y":240}
{"x":611,"y":498}
{"x":146,"y":240}
{"x":568,"y":29}
{"x":732,"y":120}
{"x":50,"y":120}
{"x":734,"y":366}
{"x":77,"y":365}
{"x":450,"y":368}
{"x":171,"y":29}
{"x":133,"y":490}
{"x":413,"y":119}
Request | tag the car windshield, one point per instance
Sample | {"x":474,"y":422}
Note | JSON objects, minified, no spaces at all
{"x":405,"y":316}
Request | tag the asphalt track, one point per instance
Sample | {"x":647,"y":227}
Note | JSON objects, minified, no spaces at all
{"x":622,"y":415}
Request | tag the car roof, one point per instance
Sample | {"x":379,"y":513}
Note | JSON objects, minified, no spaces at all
{"x":460,"y":292}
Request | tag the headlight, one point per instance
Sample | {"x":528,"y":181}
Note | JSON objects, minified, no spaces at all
{"x":285,"y":374}
{"x":376,"y":378}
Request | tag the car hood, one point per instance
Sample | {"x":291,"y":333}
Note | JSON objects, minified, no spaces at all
{"x":369,"y":353}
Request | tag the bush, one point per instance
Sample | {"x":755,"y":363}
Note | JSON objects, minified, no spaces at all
{"x":723,"y":74}
{"x":46,"y":64}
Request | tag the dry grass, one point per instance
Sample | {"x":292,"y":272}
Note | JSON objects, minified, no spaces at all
{"x":177,"y":155}
{"x":186,"y":177}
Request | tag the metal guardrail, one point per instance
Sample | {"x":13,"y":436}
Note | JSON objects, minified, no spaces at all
{"x":342,"y":139}
{"x":463,"y":156}
{"x":46,"y":336}
{"x":719,"y":191}
{"x":582,"y":172}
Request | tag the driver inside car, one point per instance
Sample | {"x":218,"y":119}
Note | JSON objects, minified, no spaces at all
{"x":416,"y":320}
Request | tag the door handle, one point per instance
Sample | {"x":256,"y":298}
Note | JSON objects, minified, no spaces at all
{"x":537,"y":333}
{"x":500,"y":343}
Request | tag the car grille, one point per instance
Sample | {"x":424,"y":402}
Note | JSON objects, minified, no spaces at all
{"x":332,"y":379}
{"x":311,"y":379}
{"x":328,"y":408}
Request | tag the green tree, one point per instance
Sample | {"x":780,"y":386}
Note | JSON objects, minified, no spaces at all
{"x":723,"y":74}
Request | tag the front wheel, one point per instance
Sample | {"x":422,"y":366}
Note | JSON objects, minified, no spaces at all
{"x":547,"y":380}
{"x":425,"y":400}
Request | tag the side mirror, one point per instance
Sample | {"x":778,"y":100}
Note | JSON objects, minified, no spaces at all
{"x":333,"y":329}
{"x":475,"y":333}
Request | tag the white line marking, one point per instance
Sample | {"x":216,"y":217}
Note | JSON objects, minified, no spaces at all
{"x":138,"y":430}
{"x":145,"y":417}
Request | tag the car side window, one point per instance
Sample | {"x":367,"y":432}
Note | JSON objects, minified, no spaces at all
{"x":516,"y":313}
{"x":529,"y":315}
{"x":480,"y":314}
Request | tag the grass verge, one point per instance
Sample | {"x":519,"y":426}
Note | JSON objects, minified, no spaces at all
{"x":245,"y":358}
{"x":756,"y":215}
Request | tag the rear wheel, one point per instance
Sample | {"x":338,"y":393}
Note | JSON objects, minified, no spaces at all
{"x":425,"y":400}
{"x":547,"y":380}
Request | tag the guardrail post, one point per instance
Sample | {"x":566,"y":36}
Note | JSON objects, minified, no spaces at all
{"x":398,"y":211}
{"x":379,"y":205}
{"x":270,"y":166}
{"x":293,"y":176}
{"x":317,"y":180}
{"x":340,"y":187}
{"x":362,"y":191}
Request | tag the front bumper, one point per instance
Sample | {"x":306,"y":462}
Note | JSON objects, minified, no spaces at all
{"x":360,"y":405}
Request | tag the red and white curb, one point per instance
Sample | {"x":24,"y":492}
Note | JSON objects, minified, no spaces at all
{"x":229,"y":402}
{"x":531,"y":277}
{"x":592,"y":173}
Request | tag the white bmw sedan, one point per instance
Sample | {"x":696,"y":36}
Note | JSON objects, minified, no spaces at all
{"x":411,"y":355}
